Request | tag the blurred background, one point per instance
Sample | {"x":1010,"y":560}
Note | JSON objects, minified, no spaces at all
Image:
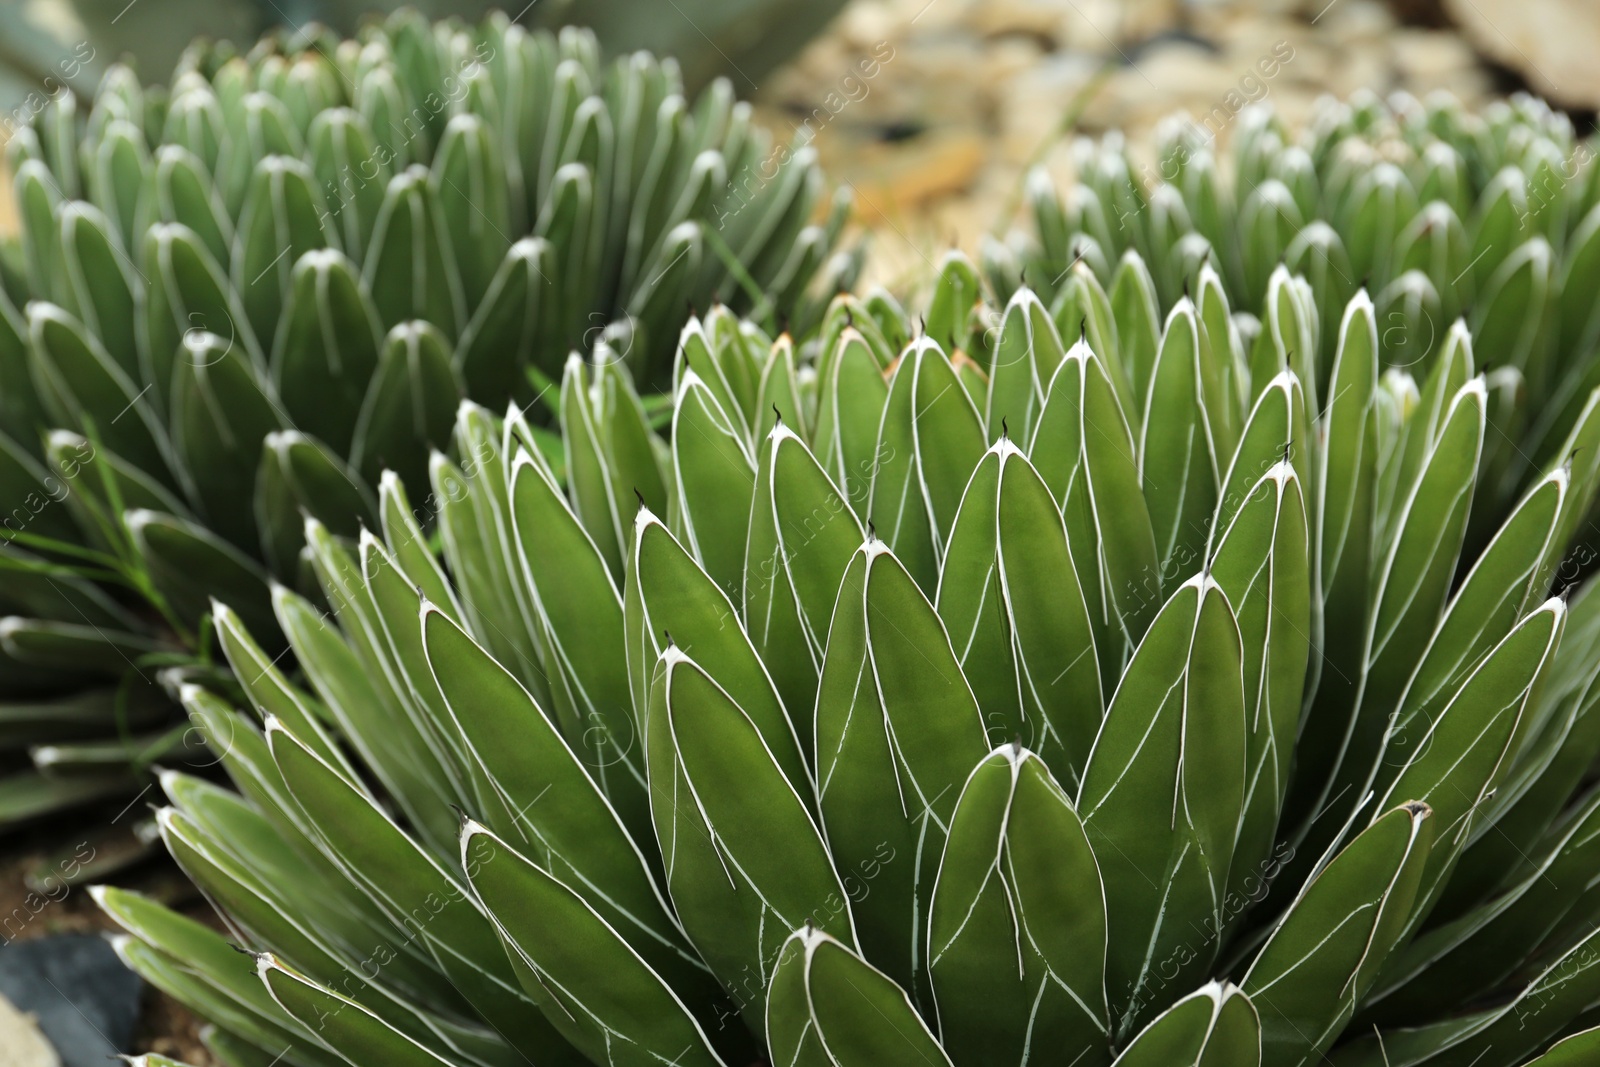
{"x":932,"y":111}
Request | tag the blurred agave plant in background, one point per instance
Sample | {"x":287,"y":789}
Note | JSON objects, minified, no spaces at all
{"x":1107,"y":680}
{"x":241,"y":300}
{"x":46,"y":45}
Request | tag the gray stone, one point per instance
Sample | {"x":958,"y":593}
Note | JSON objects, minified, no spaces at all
{"x":85,"y":1002}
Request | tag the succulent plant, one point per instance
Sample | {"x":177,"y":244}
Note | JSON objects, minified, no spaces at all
{"x":914,"y":705}
{"x":1437,"y":211}
{"x":247,"y":297}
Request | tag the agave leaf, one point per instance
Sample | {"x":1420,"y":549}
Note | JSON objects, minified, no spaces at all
{"x":301,"y":477}
{"x":802,"y":537}
{"x":1163,"y":794}
{"x":405,"y":766}
{"x":852,"y":393}
{"x":1214,"y":1026}
{"x":471,"y":522}
{"x":930,"y":439}
{"x":1275,"y":433}
{"x":102,"y":281}
{"x":1178,"y":461}
{"x":351,"y":173}
{"x":270,"y":693}
{"x":344,"y":1025}
{"x":413,"y":890}
{"x":38,"y":199}
{"x":197,"y":965}
{"x":409,"y":545}
{"x":1017,"y":924}
{"x":274,"y":923}
{"x":744,"y":860}
{"x":392,"y":607}
{"x":507,"y":321}
{"x":29,"y":795}
{"x":1025,"y":360}
{"x":1345,"y":502}
{"x":1326,"y":952}
{"x":410,"y":269}
{"x":410,"y":402}
{"x":599,"y":992}
{"x":1511,"y":314}
{"x":1134,"y":308}
{"x":471,"y":194}
{"x":1451,"y":963}
{"x":1421,"y":429}
{"x":1411,"y":581}
{"x":84,"y":647}
{"x":1011,"y":629}
{"x":186,"y":289}
{"x":897,"y":733}
{"x":1454,"y":761}
{"x":827,"y":1007}
{"x":586,"y":662}
{"x":284,"y":217}
{"x":246,"y":849}
{"x":1084,"y":453}
{"x":577,"y":830}
{"x":1501,"y":1035}
{"x":714,"y":475}
{"x":116,"y":168}
{"x":669,"y":600}
{"x":260,"y":127}
{"x":1502,"y":584}
{"x":189,"y":565}
{"x":1262,"y":565}
{"x":84,"y":389}
{"x":594,"y":495}
{"x":1575,"y":1051}
{"x":221,"y":412}
{"x":326,"y":348}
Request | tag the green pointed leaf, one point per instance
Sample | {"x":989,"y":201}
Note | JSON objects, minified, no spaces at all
{"x":326,"y":347}
{"x":1009,"y":596}
{"x":595,"y":989}
{"x":744,"y":860}
{"x":827,"y":1007}
{"x":345,"y":1025}
{"x":1215,"y":1026}
{"x":410,"y":404}
{"x":802,"y":536}
{"x":581,"y":611}
{"x":1083,"y":451}
{"x":669,"y":600}
{"x":411,"y":888}
{"x":714,"y":479}
{"x":1162,"y":797}
{"x":1178,"y":461}
{"x":410,"y":270}
{"x":897,"y":733}
{"x":1327,"y":950}
{"x":931,"y":438}
{"x":1262,"y":565}
{"x":1017,"y":925}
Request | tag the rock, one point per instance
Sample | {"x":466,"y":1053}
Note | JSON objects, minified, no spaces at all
{"x":1552,"y":43}
{"x":21,"y":1043}
{"x":85,"y":1001}
{"x":1439,"y":59}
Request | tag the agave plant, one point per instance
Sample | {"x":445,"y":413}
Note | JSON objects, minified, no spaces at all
{"x":247,"y":297}
{"x":1435,"y":210}
{"x":905,"y":706}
